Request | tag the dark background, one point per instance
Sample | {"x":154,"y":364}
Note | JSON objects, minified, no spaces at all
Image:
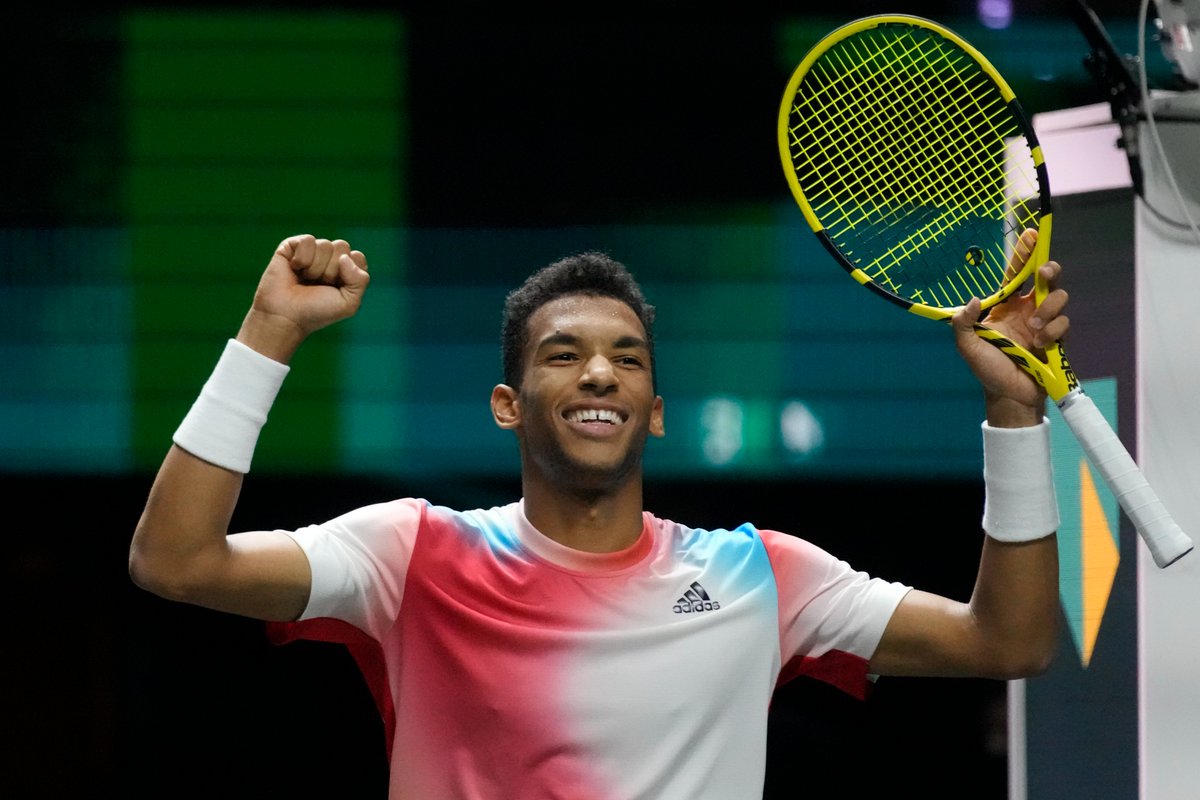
{"x":114,"y":691}
{"x":524,"y":117}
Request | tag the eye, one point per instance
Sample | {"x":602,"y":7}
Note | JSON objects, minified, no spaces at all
{"x":628,"y":361}
{"x":561,"y":357}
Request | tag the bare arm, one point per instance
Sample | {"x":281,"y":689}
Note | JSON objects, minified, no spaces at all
{"x":1009,"y":626}
{"x":181,"y":549}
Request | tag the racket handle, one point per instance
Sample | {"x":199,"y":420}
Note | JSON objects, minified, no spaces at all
{"x":1166,"y":540}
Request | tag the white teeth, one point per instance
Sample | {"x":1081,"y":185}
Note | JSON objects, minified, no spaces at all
{"x":594,"y":415}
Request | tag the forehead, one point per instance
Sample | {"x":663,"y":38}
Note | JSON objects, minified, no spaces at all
{"x":582,"y":316}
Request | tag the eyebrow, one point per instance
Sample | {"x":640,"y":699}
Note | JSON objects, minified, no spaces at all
{"x":621,"y":343}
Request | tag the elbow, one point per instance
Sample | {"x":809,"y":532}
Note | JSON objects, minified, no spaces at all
{"x":1029,"y":665}
{"x":158,"y":574}
{"x":1029,"y":658}
{"x":152,"y":577}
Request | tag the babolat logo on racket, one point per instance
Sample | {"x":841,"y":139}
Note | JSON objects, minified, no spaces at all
{"x":973,"y":256}
{"x":695,"y":600}
{"x":1067,"y":372}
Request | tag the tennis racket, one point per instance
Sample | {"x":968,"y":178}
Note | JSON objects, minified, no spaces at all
{"x":918,"y":171}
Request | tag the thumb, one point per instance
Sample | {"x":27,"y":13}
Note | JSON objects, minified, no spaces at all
{"x":353,"y":279}
{"x":964,"y":321}
{"x":352,"y":271}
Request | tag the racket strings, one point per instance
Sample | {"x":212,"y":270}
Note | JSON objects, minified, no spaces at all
{"x":897,"y":113}
{"x":892,"y":174}
{"x":901,"y":107}
{"x":967,"y":149}
{"x":900,"y":144}
{"x":895,"y":173}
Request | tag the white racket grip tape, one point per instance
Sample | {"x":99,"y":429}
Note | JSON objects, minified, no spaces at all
{"x":1166,"y":540}
{"x":1019,"y":503}
{"x":223,"y":424}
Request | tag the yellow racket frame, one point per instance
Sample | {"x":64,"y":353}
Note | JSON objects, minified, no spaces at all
{"x":1055,"y":375}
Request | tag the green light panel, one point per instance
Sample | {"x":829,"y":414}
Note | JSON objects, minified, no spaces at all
{"x":240,"y":133}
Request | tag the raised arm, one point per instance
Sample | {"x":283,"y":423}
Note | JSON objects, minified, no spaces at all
{"x":1009,"y":626}
{"x":181,"y":549}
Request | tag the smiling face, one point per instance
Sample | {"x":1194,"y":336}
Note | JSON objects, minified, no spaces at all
{"x":586,"y":402}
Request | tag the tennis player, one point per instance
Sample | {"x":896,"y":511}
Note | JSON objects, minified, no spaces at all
{"x":572,"y":644}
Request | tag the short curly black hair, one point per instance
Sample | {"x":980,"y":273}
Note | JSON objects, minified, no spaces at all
{"x":589,"y":273}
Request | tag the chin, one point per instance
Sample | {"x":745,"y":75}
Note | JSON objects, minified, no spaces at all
{"x":573,"y":474}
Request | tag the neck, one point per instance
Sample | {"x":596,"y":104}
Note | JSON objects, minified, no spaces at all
{"x":594,"y":522}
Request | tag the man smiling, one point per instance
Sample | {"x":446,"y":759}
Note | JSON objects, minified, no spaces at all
{"x":571,"y":644}
{"x":582,"y":401}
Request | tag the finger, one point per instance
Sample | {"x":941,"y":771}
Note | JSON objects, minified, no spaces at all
{"x":1051,"y":306}
{"x":351,"y":276}
{"x":360,"y":260}
{"x":297,"y":249}
{"x":1054,"y":331}
{"x":1020,"y":253}
{"x":1049,"y":273}
{"x":338,"y":248}
{"x":1048,"y":323}
{"x":313,"y":269}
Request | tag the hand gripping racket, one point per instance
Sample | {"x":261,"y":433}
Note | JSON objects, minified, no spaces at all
{"x":918,"y":171}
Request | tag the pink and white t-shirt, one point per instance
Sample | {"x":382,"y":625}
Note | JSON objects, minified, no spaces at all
{"x":508,"y":666}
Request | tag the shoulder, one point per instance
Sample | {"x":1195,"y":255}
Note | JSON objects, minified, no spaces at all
{"x":745,"y":534}
{"x":741,"y":542}
{"x":776,"y":544}
{"x":412,"y":512}
{"x":376,"y":518}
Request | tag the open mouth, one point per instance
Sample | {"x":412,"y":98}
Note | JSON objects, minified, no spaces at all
{"x":594,"y":415}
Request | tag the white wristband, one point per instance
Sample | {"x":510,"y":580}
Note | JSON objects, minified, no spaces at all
{"x":1020,"y":504}
{"x":223,"y":424}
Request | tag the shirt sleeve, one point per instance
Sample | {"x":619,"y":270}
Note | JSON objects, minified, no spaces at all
{"x":830,"y":614}
{"x":359,"y":562}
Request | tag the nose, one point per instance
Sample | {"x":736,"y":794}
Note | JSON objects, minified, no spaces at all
{"x":598,"y":374}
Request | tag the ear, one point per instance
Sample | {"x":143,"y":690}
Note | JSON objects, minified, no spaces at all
{"x":506,"y":408}
{"x":656,"y":418}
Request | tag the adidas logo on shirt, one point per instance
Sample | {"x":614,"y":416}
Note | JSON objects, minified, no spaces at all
{"x":695,"y":600}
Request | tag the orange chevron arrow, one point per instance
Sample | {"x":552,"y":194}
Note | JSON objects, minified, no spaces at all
{"x":1100,"y":557}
